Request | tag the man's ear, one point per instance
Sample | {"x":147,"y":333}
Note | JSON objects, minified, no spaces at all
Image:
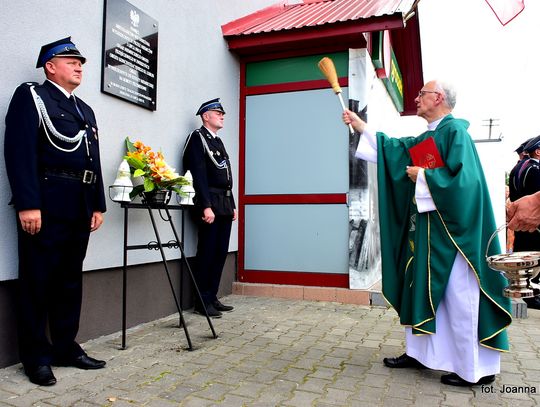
{"x":49,"y":67}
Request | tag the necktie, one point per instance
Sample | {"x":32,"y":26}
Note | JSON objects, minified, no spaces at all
{"x":74,"y":101}
{"x":218,"y":140}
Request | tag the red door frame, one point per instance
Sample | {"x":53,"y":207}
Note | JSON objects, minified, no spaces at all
{"x":267,"y":276}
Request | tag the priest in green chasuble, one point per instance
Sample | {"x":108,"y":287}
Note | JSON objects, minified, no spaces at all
{"x":436,"y":219}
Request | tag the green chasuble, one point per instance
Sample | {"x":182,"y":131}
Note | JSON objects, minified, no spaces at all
{"x":419,"y":249}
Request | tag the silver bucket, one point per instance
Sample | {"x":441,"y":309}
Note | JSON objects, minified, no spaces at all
{"x":518,"y":267}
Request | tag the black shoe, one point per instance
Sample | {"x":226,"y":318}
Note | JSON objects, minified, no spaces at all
{"x":453,"y":379}
{"x":222,"y":307}
{"x":81,"y":362}
{"x":40,"y":375}
{"x":212,"y":312}
{"x":402,"y":362}
{"x":532,"y":303}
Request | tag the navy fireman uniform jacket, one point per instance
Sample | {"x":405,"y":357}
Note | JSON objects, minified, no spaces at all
{"x":205,"y":156}
{"x":30,"y":156}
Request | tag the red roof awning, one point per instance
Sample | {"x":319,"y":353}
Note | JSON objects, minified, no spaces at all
{"x":300,"y":26}
{"x":313,"y":13}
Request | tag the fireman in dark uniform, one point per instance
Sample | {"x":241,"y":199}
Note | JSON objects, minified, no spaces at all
{"x":53,"y":165}
{"x":526,"y":181}
{"x":205,"y":156}
{"x":512,"y":177}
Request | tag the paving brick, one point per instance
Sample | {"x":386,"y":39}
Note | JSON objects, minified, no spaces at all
{"x":426,"y":400}
{"x":396,"y":402}
{"x":263,"y":376}
{"x":301,"y":399}
{"x":454,"y":397}
{"x":213,"y":391}
{"x":402,"y":391}
{"x":249,"y":389}
{"x":178,"y":393}
{"x":314,"y":385}
{"x":345,"y":383}
{"x":337,"y":397}
{"x":192,"y":401}
{"x":372,"y":395}
{"x":269,"y":398}
{"x":325,"y":373}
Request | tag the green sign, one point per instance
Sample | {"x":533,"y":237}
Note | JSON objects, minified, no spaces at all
{"x":387,"y":68}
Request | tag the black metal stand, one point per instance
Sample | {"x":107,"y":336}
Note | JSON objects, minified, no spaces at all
{"x":158,"y":245}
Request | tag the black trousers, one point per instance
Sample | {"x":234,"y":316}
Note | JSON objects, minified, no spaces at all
{"x":212,"y":249}
{"x":50,"y":289}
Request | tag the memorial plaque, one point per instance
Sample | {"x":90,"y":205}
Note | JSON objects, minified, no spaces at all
{"x":130,"y":49}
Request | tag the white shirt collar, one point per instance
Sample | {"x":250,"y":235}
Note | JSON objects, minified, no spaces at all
{"x":65,"y":92}
{"x":433,"y":125}
{"x":211,"y":132}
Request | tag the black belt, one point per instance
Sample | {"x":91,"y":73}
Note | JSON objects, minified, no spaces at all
{"x":226,"y":192}
{"x":85,"y":176}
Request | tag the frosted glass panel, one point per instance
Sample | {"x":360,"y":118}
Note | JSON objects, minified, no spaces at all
{"x":309,"y":238}
{"x":296,"y":143}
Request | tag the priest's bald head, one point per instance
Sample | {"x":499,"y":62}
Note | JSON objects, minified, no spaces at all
{"x":435,"y":100}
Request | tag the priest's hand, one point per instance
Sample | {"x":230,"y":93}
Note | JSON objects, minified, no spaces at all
{"x":412,"y":172}
{"x":349,"y":117}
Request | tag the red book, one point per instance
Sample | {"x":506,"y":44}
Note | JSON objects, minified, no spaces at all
{"x":426,"y":155}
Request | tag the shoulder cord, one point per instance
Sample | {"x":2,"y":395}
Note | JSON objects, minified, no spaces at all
{"x":47,"y":124}
{"x":525,"y":176}
{"x":222,"y":165}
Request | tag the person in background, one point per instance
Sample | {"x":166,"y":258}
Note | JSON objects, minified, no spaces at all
{"x":435,"y":225}
{"x":205,"y":156}
{"x":523,"y":157}
{"x":511,"y":189}
{"x":52,"y":159}
{"x":523,"y":182}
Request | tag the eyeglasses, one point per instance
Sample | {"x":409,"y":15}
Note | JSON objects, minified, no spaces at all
{"x":423,"y":92}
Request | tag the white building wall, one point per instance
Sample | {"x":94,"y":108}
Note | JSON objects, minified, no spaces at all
{"x":194,"y":65}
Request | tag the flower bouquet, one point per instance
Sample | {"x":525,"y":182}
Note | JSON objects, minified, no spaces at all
{"x":158,"y":178}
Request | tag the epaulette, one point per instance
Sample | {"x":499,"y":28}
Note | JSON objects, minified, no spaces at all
{"x":28,"y":86}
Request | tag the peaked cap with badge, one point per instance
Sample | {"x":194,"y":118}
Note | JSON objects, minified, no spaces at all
{"x":213,"y":104}
{"x":61,"y":48}
{"x":532,"y":144}
{"x":521,"y":147}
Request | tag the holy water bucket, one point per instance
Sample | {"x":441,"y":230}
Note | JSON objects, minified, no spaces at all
{"x":519,"y":268}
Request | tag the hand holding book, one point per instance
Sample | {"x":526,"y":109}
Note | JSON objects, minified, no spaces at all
{"x":426,"y":155}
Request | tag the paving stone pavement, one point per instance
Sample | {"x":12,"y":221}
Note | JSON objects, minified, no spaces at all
{"x":274,"y":352}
